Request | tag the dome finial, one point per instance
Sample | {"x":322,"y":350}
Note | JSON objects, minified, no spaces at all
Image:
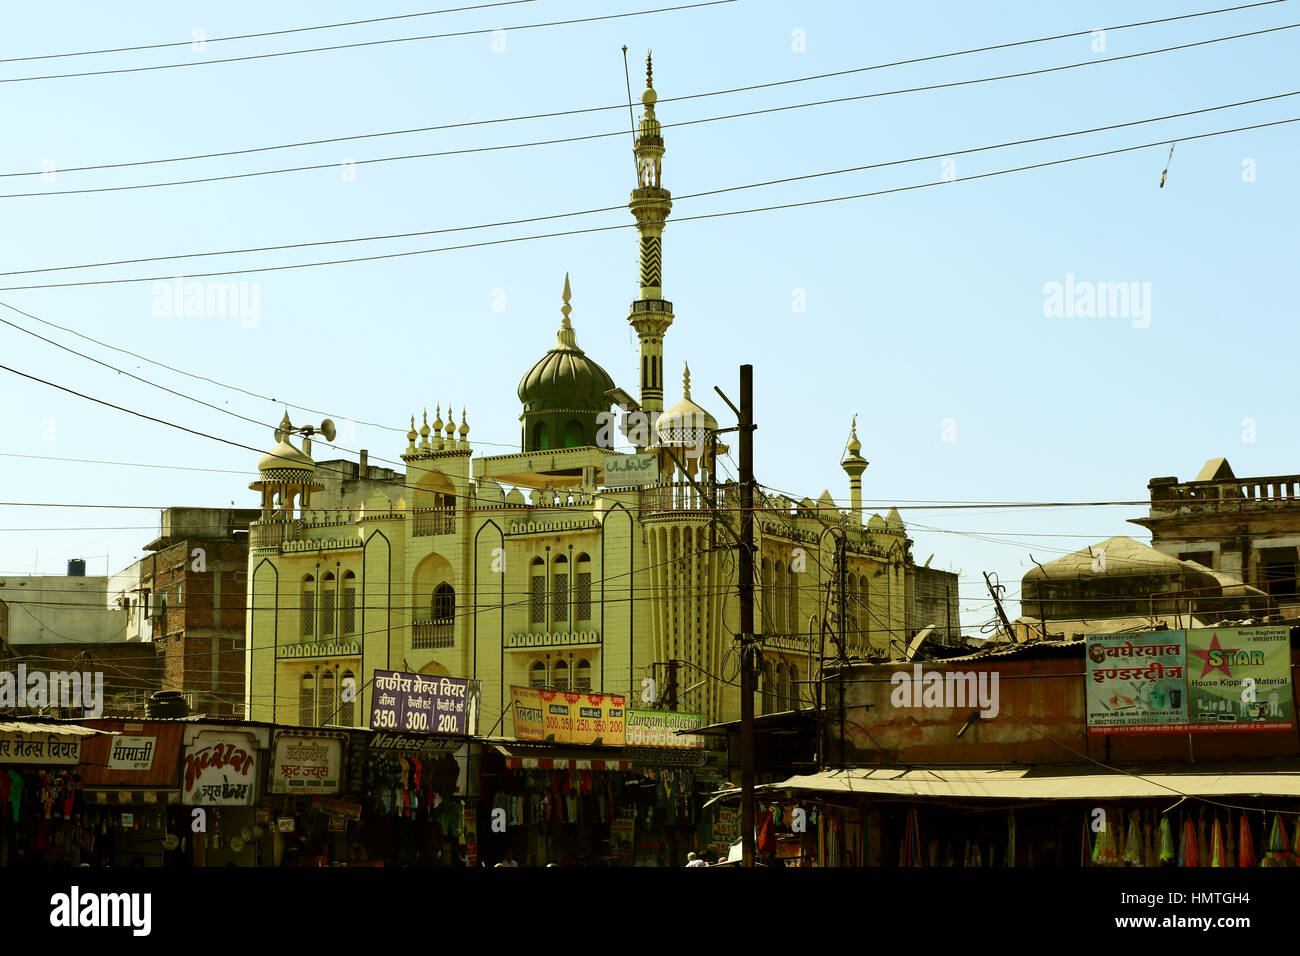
{"x":649,"y":70}
{"x":566,"y":308}
{"x":686,"y":382}
{"x":855,"y":446}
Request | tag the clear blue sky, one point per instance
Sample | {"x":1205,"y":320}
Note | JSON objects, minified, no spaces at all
{"x":921,"y":307}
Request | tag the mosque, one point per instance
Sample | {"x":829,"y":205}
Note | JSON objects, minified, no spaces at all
{"x":540,"y":569}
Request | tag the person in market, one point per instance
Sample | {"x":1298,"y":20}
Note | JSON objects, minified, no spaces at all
{"x":693,"y":860}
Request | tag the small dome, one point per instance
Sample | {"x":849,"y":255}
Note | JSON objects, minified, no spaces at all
{"x":685,"y":423}
{"x":876,"y":523}
{"x":285,"y":461}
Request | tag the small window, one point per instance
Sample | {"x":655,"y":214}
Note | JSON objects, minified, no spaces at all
{"x":541,"y":437}
{"x":346,"y":709}
{"x":561,"y":679}
{"x":572,"y":433}
{"x":538,"y":615}
{"x":582,"y":590}
{"x":560,"y":591}
{"x":583,"y":682}
{"x":444,"y":603}
{"x":307,"y":701}
{"x":349,"y":603}
{"x":537,"y":675}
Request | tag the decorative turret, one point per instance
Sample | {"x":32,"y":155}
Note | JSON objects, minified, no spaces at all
{"x":286,"y":473}
{"x":650,"y":204}
{"x":854,"y":465}
{"x":564,"y":393}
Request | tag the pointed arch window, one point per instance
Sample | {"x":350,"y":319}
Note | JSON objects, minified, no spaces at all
{"x":795,"y":689}
{"x":583,"y":677}
{"x":572,"y":433}
{"x":560,"y":591}
{"x":538,"y":610}
{"x":307,"y":701}
{"x":307,"y":606}
{"x":537,"y":675}
{"x":347,"y":707}
{"x":327,"y":594}
{"x":582,"y":589}
{"x":349,"y":603}
{"x":561,"y":679}
{"x":541,"y":437}
{"x":325,"y":703}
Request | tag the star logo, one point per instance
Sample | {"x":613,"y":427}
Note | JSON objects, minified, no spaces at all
{"x":1216,"y":657}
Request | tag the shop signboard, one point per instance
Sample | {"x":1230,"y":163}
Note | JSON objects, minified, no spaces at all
{"x":39,"y":749}
{"x":220,"y":769}
{"x":565,"y":717}
{"x":336,"y":808}
{"x":726,"y":825}
{"x":306,"y":763}
{"x":622,"y":831}
{"x":1136,"y":683}
{"x":1239,"y":679}
{"x":413,"y":743}
{"x":424,"y":704}
{"x":659,"y":728}
{"x":131,"y":753}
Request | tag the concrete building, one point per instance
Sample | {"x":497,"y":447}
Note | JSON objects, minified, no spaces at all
{"x":544,"y":567}
{"x":1246,"y":527}
{"x":59,"y":608}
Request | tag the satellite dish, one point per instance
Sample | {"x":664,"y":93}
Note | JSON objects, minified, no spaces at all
{"x":327,"y":429}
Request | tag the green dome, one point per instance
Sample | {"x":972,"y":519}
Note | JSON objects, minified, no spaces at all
{"x":563,"y":394}
{"x":564,"y":378}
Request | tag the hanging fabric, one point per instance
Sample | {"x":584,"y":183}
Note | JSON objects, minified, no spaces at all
{"x":1167,"y":851}
{"x":1246,"y":844}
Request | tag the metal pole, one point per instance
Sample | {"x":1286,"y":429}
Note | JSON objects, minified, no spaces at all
{"x":746,"y":568}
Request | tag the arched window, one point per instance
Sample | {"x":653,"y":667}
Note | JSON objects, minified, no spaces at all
{"x":541,"y":436}
{"x":796,"y":690}
{"x":307,"y":701}
{"x":864,"y":611}
{"x":561,"y":679}
{"x":327,"y":605}
{"x":582,"y":589}
{"x":347,"y":708}
{"x":779,"y":597}
{"x":537,"y":675}
{"x":325,"y":703}
{"x":572,"y":433}
{"x":349,"y":603}
{"x":560,"y":591}
{"x":766,"y":584}
{"x":768,"y":690}
{"x":307,"y":606}
{"x":792,"y":601}
{"x":782,"y":688}
{"x":444,"y":603}
{"x":583,"y":682}
{"x":538,"y":615}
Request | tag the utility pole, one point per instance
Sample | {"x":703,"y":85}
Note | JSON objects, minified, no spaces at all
{"x":746,"y":567}
{"x":670,"y":695}
{"x":997,"y":603}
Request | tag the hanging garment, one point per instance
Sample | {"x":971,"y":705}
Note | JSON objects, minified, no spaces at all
{"x":15,"y":791}
{"x":1167,"y":852}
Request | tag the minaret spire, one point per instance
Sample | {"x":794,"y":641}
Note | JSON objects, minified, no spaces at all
{"x":650,"y":204}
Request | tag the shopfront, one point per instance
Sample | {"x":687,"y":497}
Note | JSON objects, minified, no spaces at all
{"x":42,"y":819}
{"x":132,"y":795}
{"x":221,"y":777}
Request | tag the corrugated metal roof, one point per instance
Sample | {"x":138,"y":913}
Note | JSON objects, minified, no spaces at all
{"x":46,"y":729}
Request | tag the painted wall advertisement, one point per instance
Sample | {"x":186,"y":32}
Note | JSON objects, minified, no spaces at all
{"x":1137,"y":683}
{"x":306,"y":764}
{"x":569,"y":717}
{"x":659,"y":728}
{"x":220,"y":769}
{"x":424,"y":704}
{"x":1203,"y":680}
{"x":1239,"y":679}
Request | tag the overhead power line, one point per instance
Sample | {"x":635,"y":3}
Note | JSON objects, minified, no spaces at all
{"x":620,"y":106}
{"x":266,"y":33}
{"x":677,"y":220}
{"x":623,"y":132}
{"x":685,"y":196}
{"x":364,"y":43}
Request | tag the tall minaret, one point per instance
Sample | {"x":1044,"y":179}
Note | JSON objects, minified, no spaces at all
{"x":651,"y":314}
{"x":854,"y":465}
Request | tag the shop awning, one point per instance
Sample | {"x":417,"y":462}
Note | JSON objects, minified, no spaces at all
{"x":523,"y":759}
{"x":46,"y":729}
{"x":973,"y":783}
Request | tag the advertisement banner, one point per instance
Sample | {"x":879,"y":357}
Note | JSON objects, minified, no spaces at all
{"x":53,"y":749}
{"x":302,"y":763}
{"x":220,"y":769}
{"x":571,"y":718}
{"x":622,"y":832}
{"x":623,"y":471}
{"x":659,"y":728}
{"x":429,"y":705}
{"x":1136,"y":683}
{"x":1239,"y":679}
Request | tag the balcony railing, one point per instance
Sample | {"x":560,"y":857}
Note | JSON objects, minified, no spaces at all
{"x":1199,"y":496}
{"x":438,"y":633}
{"x":429,"y":521}
{"x":273,"y":533}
